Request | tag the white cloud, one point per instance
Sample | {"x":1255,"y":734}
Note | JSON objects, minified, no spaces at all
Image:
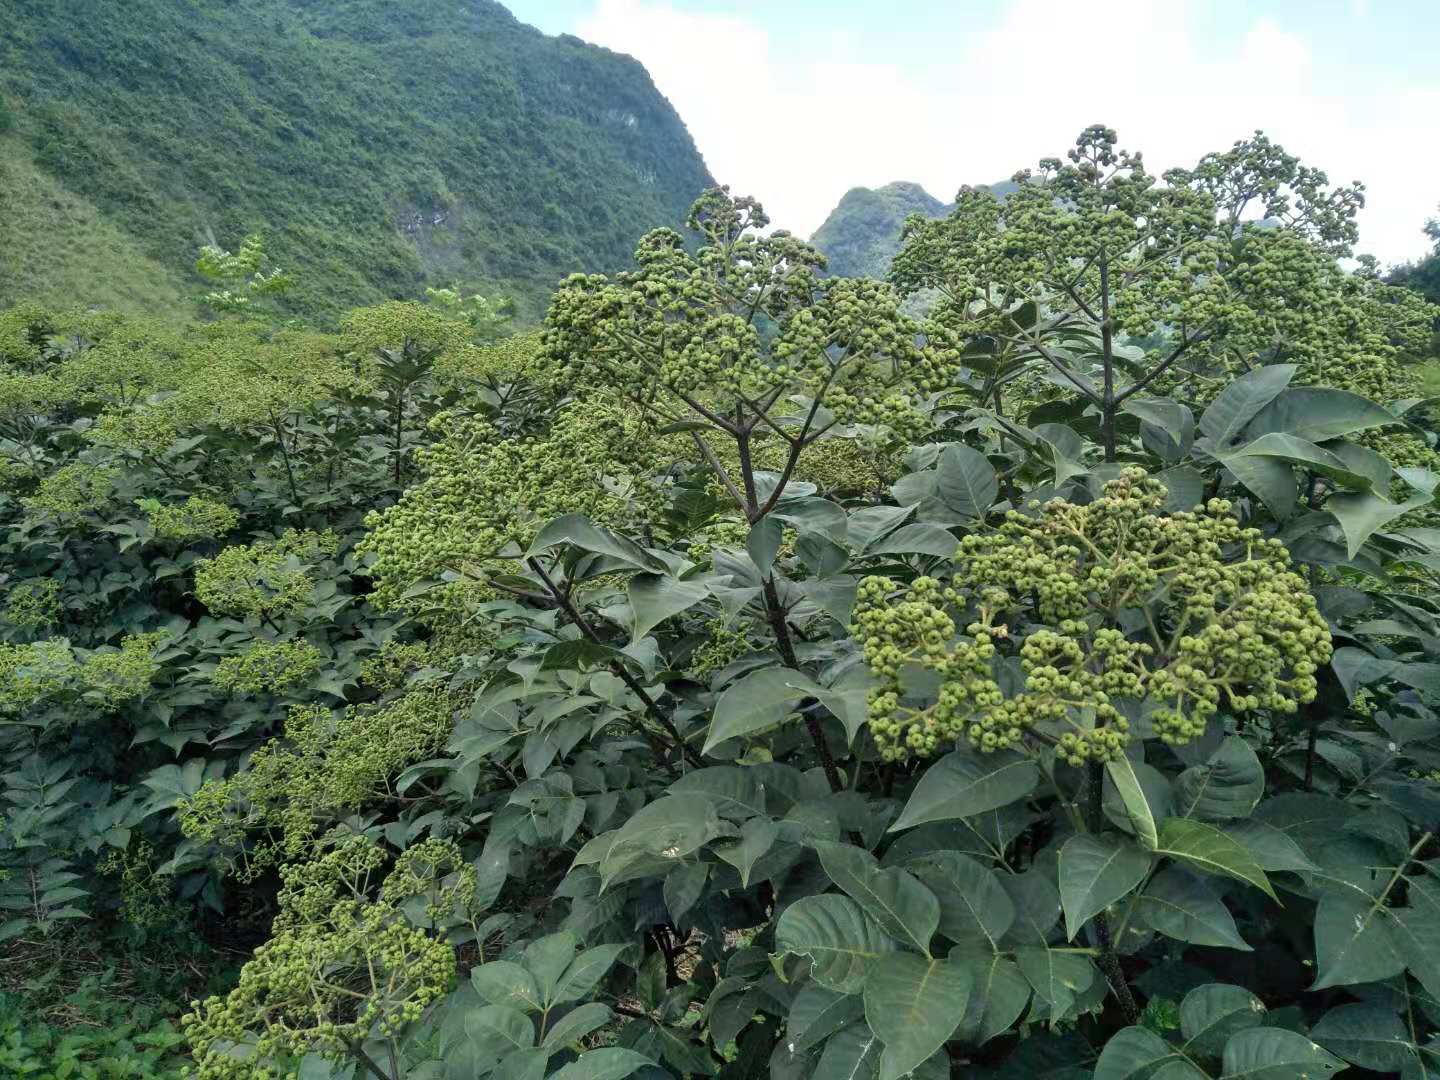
{"x":799,"y":130}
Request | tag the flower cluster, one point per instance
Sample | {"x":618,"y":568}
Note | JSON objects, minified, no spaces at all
{"x":1180,"y":614}
{"x":323,"y":766}
{"x":265,"y":580}
{"x":51,"y":671}
{"x":340,"y":967}
{"x":268,"y":667}
{"x":74,"y":489}
{"x":33,"y":603}
{"x":197,"y":518}
{"x":483,"y":497}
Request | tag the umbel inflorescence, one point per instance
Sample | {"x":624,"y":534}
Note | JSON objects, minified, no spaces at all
{"x":1083,"y":617}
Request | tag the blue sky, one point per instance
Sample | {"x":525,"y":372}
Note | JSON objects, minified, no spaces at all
{"x":796,"y":101}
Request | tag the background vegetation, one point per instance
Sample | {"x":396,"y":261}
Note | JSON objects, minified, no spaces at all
{"x":380,"y":146}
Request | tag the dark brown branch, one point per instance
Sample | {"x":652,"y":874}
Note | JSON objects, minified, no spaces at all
{"x":622,"y":673}
{"x":1160,"y":368}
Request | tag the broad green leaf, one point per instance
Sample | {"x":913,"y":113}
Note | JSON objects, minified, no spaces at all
{"x":870,"y":523}
{"x":1354,"y":940}
{"x":576,"y":1024}
{"x":1416,"y":932}
{"x":655,"y":597}
{"x":1209,"y":850}
{"x":1095,"y":871}
{"x":1237,"y":404}
{"x":762,"y":699}
{"x":1360,"y":514}
{"x":606,"y":1063}
{"x":1228,"y":785}
{"x":584,"y":973}
{"x":1299,"y":452}
{"x":764,"y":541}
{"x":998,"y":995}
{"x":757,"y":836}
{"x":502,"y":982}
{"x":921,"y":538}
{"x":1267,"y":1053}
{"x":578,"y":530}
{"x":975,"y":909}
{"x":817,"y":1013}
{"x":852,"y":1053}
{"x":1270,"y":478}
{"x":1137,"y":1053}
{"x":1365,"y":1035}
{"x":1273,"y":849}
{"x":1059,"y":978}
{"x":904,"y":908}
{"x":1137,"y":807}
{"x":1210,"y":1014}
{"x":1182,"y":906}
{"x":964,"y":783}
{"x":914,"y":1005}
{"x":1173,"y":420}
{"x":966,"y":481}
{"x":496,"y":1030}
{"x":546,"y":959}
{"x":843,"y":942}
{"x":1318,"y":413}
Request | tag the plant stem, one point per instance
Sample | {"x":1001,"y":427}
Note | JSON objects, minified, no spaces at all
{"x":776,"y":615}
{"x":1109,"y":958}
{"x":370,"y":1063}
{"x":622,"y":673}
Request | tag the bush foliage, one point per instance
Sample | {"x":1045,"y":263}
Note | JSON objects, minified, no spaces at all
{"x":741,"y":677}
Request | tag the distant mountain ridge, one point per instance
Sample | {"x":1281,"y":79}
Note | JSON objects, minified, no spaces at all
{"x":862,"y":233}
{"x":380,"y":146}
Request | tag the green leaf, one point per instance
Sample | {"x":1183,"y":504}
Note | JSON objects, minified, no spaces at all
{"x":1210,"y":1014}
{"x":975,"y":909}
{"x":757,"y":701}
{"x":576,"y":1024}
{"x":1354,"y":941}
{"x":1300,"y":452}
{"x":1132,"y":795}
{"x":1228,"y":785}
{"x":914,"y":1005}
{"x":764,"y":542}
{"x":1365,"y":1035}
{"x":966,"y":482}
{"x":1095,"y":871}
{"x":655,"y":597}
{"x":998,"y":995}
{"x":852,"y":1053}
{"x":1318,"y":413}
{"x":1271,"y":479}
{"x":585,"y":972}
{"x":921,"y":538}
{"x":1136,"y":1053}
{"x":817,"y":1013}
{"x":579,"y":530}
{"x":606,"y":1063}
{"x":1360,"y":514}
{"x":1267,"y":1053}
{"x":963,"y":784}
{"x":496,"y":1030}
{"x":1209,"y":850}
{"x":1059,"y":978}
{"x":1237,"y":404}
{"x":843,"y":942}
{"x":501,"y":982}
{"x":1182,"y":906}
{"x":757,"y":836}
{"x":904,"y":908}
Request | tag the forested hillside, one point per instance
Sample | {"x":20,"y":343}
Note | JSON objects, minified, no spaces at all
{"x":379,"y":146}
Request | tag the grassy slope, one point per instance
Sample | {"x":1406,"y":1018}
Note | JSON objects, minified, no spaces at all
{"x":380,"y":146}
{"x":55,"y":247}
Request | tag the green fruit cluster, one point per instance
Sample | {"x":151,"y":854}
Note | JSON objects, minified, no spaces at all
{"x":50,"y":671}
{"x":197,"y":518}
{"x":484,"y":496}
{"x":1227,"y":624}
{"x":340,"y":968}
{"x":268,"y":579}
{"x":323,"y":766}
{"x":78,"y":488}
{"x":268,"y":667}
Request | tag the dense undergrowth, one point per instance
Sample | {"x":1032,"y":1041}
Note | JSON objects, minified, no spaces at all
{"x":740,"y":677}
